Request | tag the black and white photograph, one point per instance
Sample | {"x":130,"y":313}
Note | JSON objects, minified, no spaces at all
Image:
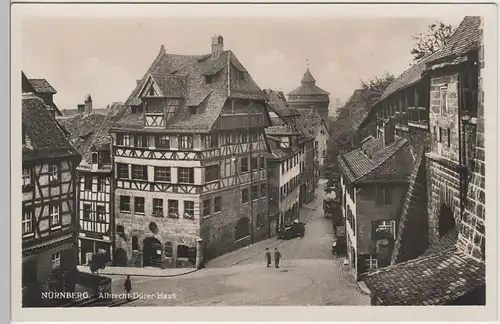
{"x":253,"y":160}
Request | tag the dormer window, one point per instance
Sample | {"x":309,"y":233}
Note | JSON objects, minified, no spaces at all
{"x":192,"y":110}
{"x":240,"y":75}
{"x":285,"y":142}
{"x":208,"y":79}
{"x":94,"y":157}
{"x":136,"y":109}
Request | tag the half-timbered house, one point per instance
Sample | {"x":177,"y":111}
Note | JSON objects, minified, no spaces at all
{"x":89,"y":134}
{"x":48,"y":207}
{"x":189,"y":158}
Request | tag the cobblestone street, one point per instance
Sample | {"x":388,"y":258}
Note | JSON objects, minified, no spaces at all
{"x":308,"y":274}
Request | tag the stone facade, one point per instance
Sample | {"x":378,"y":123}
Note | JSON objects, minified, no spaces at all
{"x":472,"y":234}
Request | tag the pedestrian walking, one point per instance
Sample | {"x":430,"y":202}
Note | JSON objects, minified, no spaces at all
{"x":268,"y":257}
{"x":277,"y":257}
{"x":128,"y":286}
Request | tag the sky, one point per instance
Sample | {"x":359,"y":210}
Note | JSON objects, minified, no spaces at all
{"x":105,"y":57}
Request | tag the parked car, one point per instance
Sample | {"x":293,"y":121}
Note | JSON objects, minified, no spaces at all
{"x":292,"y":231}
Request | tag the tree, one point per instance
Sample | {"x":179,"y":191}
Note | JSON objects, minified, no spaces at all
{"x":429,"y":42}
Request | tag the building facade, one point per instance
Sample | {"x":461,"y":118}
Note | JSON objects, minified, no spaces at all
{"x":372,"y":200}
{"x":190,"y":161}
{"x":49,"y":225}
{"x":442,"y":221}
{"x":95,"y":180}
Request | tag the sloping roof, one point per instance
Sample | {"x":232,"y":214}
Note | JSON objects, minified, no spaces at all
{"x":208,"y":98}
{"x":42,"y":86}
{"x":46,"y":136}
{"x":277,"y":102}
{"x":277,"y":152}
{"x":375,"y":163}
{"x":465,"y":38}
{"x":434,"y":279}
{"x":446,"y":243}
{"x":308,"y":87}
{"x":91,"y":130}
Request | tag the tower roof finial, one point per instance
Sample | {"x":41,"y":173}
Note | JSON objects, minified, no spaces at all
{"x":307,"y":63}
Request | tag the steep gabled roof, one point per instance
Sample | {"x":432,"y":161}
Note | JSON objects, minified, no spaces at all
{"x":375,"y":163}
{"x":183,"y":76}
{"x":278,"y":104}
{"x":42,"y":86}
{"x":47,"y":137}
{"x":88,"y":131}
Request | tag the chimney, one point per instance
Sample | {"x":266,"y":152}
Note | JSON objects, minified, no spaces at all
{"x":217,"y":46}
{"x":162,"y":50}
{"x":81,"y":108}
{"x":88,"y":105}
{"x":388,"y":132}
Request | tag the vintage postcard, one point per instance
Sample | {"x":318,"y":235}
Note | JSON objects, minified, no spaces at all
{"x":176,"y":162}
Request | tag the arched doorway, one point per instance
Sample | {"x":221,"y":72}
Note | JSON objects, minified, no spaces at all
{"x":151,"y":256}
{"x":446,"y":221}
{"x":120,"y":258}
{"x":242,"y":229}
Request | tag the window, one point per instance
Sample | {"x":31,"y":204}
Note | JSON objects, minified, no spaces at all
{"x":255,"y":136}
{"x":139,"y":205}
{"x":162,"y":142}
{"x":324,"y":153}
{"x":188,"y":209}
{"x":27,"y":222}
{"x":440,"y":135}
{"x":123,"y":139}
{"x":53,"y":173}
{"x":173,"y":208}
{"x":322,"y":132}
{"x":244,"y":196}
{"x":371,"y":263}
{"x":56,"y":261}
{"x":240,"y":75}
{"x":217,"y":204}
{"x":260,"y":220}
{"x":26,"y":177}
{"x":255,"y":192}
{"x":212,"y":173}
{"x":125,"y":203}
{"x":449,"y":137}
{"x":162,"y":174}
{"x":285,"y":142}
{"x":151,"y":91}
{"x":211,"y":141}
{"x":135,"y":243}
{"x":94,"y":157}
{"x":101,"y":214}
{"x":244,"y":165}
{"x":122,"y":172}
{"x":192,"y":110}
{"x":55,"y":217}
{"x":88,"y":182}
{"x":186,"y":142}
{"x":101,"y":184}
{"x":244,"y":137}
{"x":255,"y":163}
{"x":262,"y":162}
{"x":208,"y":79}
{"x":206,"y":207}
{"x":185,"y":175}
{"x":157,"y":207}
{"x":86,"y":211}
{"x":263,"y":190}
{"x":140,"y":172}
{"x":283,"y":168}
{"x":103,"y":157}
{"x":443,"y":96}
{"x":140,"y":141}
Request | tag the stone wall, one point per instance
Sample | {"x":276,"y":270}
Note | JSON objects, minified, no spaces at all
{"x":218,"y":230}
{"x":472,"y":233}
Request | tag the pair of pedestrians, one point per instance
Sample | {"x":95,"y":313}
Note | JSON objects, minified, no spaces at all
{"x":277,"y":257}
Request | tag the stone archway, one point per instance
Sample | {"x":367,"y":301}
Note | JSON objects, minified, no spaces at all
{"x":446,"y":220}
{"x":242,"y":229}
{"x":152,"y":252}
